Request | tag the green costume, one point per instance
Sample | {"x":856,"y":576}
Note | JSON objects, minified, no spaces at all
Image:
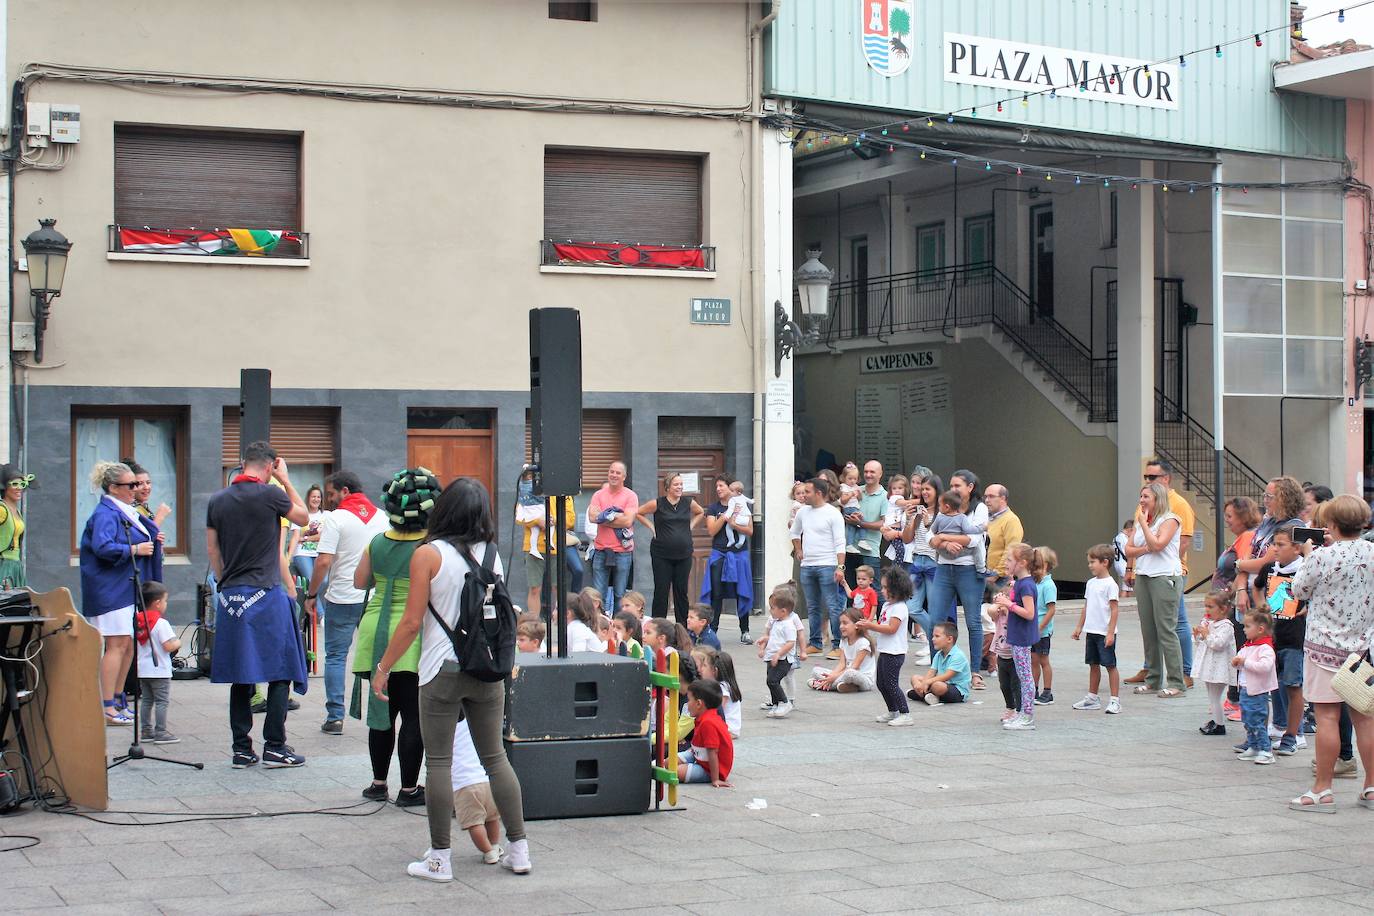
{"x":390,"y":553}
{"x":11,"y":537}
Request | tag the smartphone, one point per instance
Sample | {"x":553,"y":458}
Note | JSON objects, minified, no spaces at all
{"x":1314,"y":536}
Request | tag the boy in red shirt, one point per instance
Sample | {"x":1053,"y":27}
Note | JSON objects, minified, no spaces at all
{"x":713,"y":751}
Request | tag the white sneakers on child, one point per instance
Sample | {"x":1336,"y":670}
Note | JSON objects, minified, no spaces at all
{"x":1113,"y":707}
{"x":1091,"y":701}
{"x":517,"y":858}
{"x":901,"y":721}
{"x":435,"y":866}
{"x":884,"y":718}
{"x":1019,"y":722}
{"x":780,"y":711}
{"x":492,"y":855}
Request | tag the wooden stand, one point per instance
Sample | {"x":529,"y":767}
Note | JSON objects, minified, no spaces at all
{"x":70,"y":693}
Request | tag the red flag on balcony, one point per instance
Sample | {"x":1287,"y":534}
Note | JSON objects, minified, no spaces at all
{"x":618,"y":255}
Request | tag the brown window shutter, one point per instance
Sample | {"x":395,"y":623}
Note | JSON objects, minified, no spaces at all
{"x":182,"y":179}
{"x":603,"y":441}
{"x":643,"y":198}
{"x":301,"y":435}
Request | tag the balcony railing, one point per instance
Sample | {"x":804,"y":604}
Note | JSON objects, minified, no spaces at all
{"x":667,"y":258}
{"x":277,"y":244}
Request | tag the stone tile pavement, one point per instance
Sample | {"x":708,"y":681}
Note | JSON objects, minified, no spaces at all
{"x":1090,"y":813}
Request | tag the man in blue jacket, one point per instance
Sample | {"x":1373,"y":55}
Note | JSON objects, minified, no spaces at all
{"x":256,"y":637}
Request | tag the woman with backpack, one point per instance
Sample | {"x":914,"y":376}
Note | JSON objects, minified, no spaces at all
{"x":461,"y":539}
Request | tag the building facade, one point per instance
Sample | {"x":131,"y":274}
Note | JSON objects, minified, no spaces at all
{"x":1065,"y":239}
{"x":398,"y":191}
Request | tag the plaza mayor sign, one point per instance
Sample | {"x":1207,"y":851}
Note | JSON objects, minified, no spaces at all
{"x":1024,"y":68}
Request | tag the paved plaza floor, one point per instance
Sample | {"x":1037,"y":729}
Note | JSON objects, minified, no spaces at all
{"x":1135,"y":813}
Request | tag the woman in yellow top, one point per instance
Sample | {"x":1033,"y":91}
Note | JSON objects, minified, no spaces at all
{"x":12,"y":527}
{"x":385,"y":569}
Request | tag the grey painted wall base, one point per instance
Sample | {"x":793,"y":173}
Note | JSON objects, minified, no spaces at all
{"x":372,"y":443}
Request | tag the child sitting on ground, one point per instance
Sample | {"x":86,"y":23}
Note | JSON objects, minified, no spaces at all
{"x":157,"y":641}
{"x":699,"y":626}
{"x":778,"y":648}
{"x":1214,"y":646}
{"x":633,"y":602}
{"x":740,"y":510}
{"x":1255,"y":666}
{"x":629,"y":635}
{"x":949,"y":679}
{"x":529,"y":635}
{"x":582,"y":625}
{"x":720,"y":667}
{"x":1098,"y":621}
{"x":862,"y":597}
{"x":712,"y":754}
{"x":1046,"y":596}
{"x":857,"y":666}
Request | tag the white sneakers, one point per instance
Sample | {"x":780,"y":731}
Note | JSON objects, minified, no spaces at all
{"x":780,"y":711}
{"x":517,"y":858}
{"x":901,"y":721}
{"x":435,"y":866}
{"x":931,"y":699}
{"x":1019,"y":722}
{"x":1264,"y":758}
{"x":885,"y":718}
{"x":1093,"y":701}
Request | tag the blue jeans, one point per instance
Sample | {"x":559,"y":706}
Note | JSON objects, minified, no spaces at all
{"x":611,"y":576}
{"x":1254,"y":713}
{"x":576,"y":570}
{"x":823,"y":596}
{"x":340,"y":620}
{"x":1185,"y":636}
{"x":964,"y":584}
{"x":303,"y":566}
{"x":920,"y":612}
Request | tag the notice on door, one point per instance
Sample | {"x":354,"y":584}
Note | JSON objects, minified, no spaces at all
{"x":905,"y":425}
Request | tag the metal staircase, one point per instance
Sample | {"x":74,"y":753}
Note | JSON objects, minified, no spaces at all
{"x":974,"y":295}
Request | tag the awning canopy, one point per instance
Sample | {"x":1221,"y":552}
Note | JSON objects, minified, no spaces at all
{"x":1341,"y":76}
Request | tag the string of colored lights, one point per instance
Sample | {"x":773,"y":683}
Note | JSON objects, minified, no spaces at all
{"x":1051,"y":172}
{"x":1257,"y":38}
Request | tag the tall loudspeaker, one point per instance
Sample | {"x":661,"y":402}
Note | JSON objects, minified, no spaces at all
{"x":556,"y":400}
{"x":255,"y":407}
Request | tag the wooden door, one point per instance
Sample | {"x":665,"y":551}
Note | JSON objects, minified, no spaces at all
{"x":453,"y":453}
{"x":706,"y":463}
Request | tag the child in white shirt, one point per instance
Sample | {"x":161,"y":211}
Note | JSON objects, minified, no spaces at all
{"x":473,"y":804}
{"x":156,"y":642}
{"x":779,"y":648}
{"x":857,"y":667}
{"x":740,"y":511}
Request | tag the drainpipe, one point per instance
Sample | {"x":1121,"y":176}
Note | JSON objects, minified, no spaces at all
{"x":762,"y":316}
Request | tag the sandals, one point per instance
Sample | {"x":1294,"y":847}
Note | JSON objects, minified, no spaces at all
{"x":1322,"y":802}
{"x":978,"y":682}
{"x":116,"y":716}
{"x":1142,"y":689}
{"x":1169,"y":693}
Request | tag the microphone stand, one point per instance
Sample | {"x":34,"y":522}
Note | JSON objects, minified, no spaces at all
{"x":131,"y":685}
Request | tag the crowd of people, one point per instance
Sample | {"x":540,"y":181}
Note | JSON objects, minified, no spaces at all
{"x":883,"y":566}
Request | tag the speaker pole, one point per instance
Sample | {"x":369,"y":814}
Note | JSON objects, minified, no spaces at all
{"x":560,"y":521}
{"x":547,"y":605}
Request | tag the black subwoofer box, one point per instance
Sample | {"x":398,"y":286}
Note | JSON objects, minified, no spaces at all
{"x":582,"y":778}
{"x":589,"y":695}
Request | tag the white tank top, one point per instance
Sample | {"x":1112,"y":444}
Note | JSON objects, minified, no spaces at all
{"x":445,"y":591}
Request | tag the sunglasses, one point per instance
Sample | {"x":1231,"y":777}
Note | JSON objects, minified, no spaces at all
{"x":133,"y":484}
{"x":20,"y":482}
{"x":1153,"y":477}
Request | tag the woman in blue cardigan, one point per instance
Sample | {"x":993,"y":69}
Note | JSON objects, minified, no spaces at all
{"x":117,"y":536}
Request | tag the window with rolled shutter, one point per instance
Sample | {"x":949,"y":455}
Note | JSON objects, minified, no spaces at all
{"x":301,"y":435}
{"x":603,"y":441}
{"x":640,"y":198}
{"x":169,"y":178}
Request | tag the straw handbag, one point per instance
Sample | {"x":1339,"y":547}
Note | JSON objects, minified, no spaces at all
{"x":1354,"y":681}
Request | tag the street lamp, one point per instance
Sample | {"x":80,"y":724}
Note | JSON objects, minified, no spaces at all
{"x":813,"y":292}
{"x":46,"y":251}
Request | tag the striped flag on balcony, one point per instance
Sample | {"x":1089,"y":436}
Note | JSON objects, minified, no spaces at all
{"x":254,"y":242}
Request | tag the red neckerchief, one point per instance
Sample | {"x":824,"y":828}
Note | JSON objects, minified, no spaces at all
{"x":244,"y":478}
{"x":1262,"y":641}
{"x":144,"y":623}
{"x":359,"y":505}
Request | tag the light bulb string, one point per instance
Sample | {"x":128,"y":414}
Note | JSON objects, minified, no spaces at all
{"x":991,"y":163}
{"x":1024,"y":95}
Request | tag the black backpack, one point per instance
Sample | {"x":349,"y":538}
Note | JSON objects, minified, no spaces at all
{"x":484,"y":640}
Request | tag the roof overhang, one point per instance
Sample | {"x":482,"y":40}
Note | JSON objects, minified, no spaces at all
{"x":1341,"y":76}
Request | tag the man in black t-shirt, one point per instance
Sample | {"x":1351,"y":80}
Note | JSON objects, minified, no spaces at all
{"x":256,"y":637}
{"x":728,"y":571}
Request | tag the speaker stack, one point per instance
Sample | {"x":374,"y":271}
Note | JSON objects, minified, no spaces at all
{"x":577,"y":734}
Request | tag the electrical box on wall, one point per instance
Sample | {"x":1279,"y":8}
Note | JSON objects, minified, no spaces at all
{"x":66,"y":123}
{"x":37,"y":119}
{"x":21,"y":337}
